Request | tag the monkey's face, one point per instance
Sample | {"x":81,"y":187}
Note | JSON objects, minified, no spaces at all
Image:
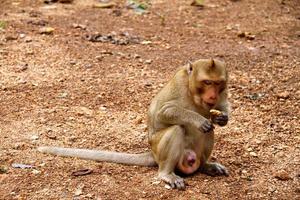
{"x":207,"y":93}
{"x":207,"y":82}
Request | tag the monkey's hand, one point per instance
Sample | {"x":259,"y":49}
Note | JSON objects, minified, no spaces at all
{"x":207,"y":126}
{"x":221,"y":118}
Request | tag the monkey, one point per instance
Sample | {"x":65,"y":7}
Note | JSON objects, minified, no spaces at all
{"x":180,"y":125}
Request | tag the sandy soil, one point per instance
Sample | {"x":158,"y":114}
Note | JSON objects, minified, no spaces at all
{"x":63,"y":89}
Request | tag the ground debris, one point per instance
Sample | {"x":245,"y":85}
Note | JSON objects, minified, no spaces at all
{"x":21,"y":166}
{"x":282,"y":175}
{"x":119,"y":39}
{"x":79,"y":190}
{"x":198,"y":3}
{"x":3,"y":169}
{"x":139,"y":7}
{"x":46,"y":30}
{"x":60,"y":1}
{"x":104,"y":5}
{"x":283,"y":95}
{"x":82,"y":172}
{"x":247,"y":35}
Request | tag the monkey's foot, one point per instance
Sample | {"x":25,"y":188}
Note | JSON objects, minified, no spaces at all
{"x":214,"y":169}
{"x":173,"y":180}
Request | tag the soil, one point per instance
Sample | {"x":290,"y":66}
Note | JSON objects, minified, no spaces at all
{"x":88,"y":80}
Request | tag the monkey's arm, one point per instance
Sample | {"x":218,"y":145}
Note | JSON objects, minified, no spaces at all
{"x":170,"y":113}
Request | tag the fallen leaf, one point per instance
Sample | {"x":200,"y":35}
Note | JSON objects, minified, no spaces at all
{"x":2,"y":24}
{"x":199,"y":3}
{"x":138,"y":6}
{"x":104,"y":5}
{"x":82,"y":172}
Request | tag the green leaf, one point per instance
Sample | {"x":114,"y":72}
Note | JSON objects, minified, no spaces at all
{"x":198,"y":3}
{"x":2,"y":24}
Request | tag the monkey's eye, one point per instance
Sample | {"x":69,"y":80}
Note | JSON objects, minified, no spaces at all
{"x":217,"y":83}
{"x":207,"y":82}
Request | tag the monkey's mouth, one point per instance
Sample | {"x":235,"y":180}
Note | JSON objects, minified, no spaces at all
{"x":209,"y":105}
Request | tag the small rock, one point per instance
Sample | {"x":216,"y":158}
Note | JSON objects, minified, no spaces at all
{"x":246,"y":35}
{"x":99,"y":58}
{"x":79,"y":191}
{"x":103,"y":108}
{"x":30,"y":53}
{"x":283,"y":95}
{"x":36,"y":171}
{"x":253,"y":154}
{"x":46,"y":30}
{"x":282,"y":175}
{"x":63,"y":94}
{"x":249,"y":149}
{"x":72,"y":139}
{"x":51,"y":136}
{"x":88,"y":66}
{"x":80,"y":26}
{"x":257,"y":141}
{"x":241,"y":34}
{"x":117,"y":12}
{"x":22,"y":81}
{"x":73,"y":62}
{"x":34,"y":137}
{"x":3,"y":169}
{"x":11,"y":37}
{"x":22,"y":35}
{"x":65,"y":1}
{"x":168,"y":187}
{"x":148,"y":61}
{"x":157,"y":182}
{"x":138,"y":120}
{"x":84,"y":111}
{"x":146,"y":42}
{"x":28,"y":39}
{"x":250,"y":37}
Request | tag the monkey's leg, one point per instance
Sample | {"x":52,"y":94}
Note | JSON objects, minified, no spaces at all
{"x":209,"y":168}
{"x":168,"y":147}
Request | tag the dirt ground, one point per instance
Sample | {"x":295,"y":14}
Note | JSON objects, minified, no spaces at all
{"x":88,"y":83}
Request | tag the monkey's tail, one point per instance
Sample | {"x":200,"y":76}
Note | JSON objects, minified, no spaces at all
{"x":143,"y":159}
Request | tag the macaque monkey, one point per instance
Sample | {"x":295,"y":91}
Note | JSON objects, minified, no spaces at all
{"x":180,"y":124}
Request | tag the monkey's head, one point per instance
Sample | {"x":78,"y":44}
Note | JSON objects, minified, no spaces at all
{"x":207,"y":82}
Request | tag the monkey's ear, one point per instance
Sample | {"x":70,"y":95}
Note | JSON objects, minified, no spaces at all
{"x":189,"y":67}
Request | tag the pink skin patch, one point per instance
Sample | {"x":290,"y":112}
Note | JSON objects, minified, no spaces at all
{"x":189,"y":162}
